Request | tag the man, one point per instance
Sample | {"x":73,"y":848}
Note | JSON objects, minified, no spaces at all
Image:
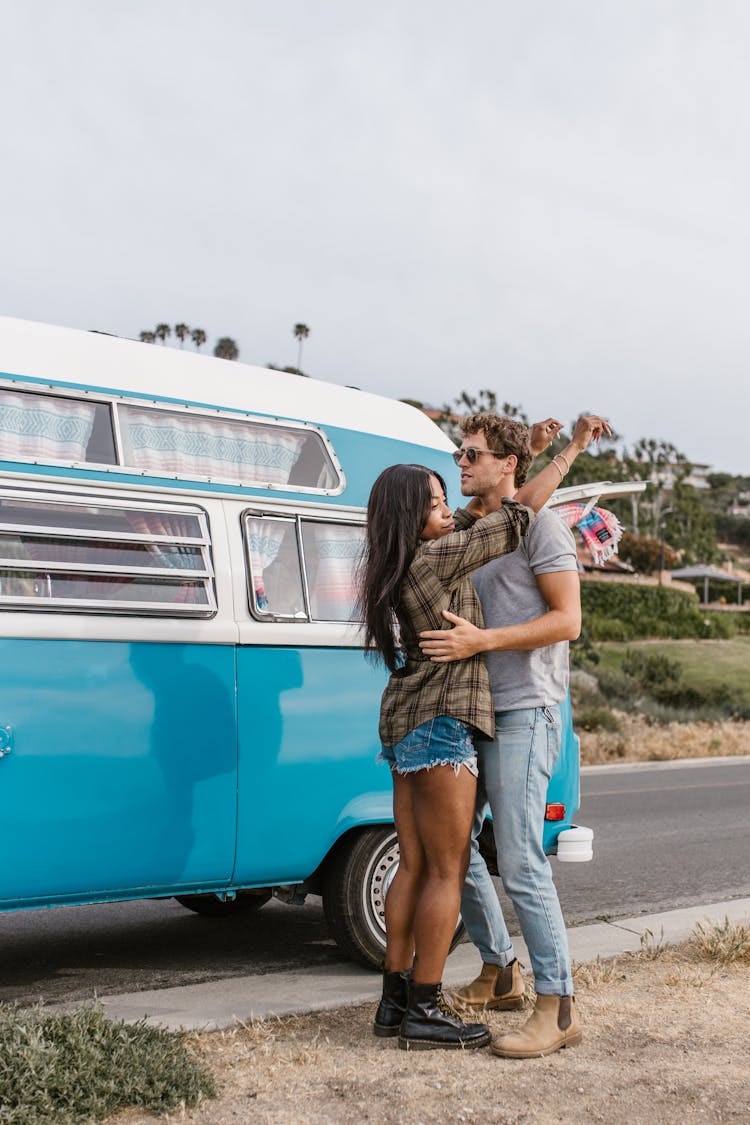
{"x":531,"y":605}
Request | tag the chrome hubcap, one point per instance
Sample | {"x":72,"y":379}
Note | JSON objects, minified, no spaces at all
{"x":383,"y":870}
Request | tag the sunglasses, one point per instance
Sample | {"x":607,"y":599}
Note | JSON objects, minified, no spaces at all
{"x":471,"y":454}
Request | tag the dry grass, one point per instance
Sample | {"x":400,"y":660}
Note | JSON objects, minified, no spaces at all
{"x":665,"y":1040}
{"x":592,"y":976}
{"x":641,"y":740}
{"x":653,"y":945}
{"x":725,"y":942}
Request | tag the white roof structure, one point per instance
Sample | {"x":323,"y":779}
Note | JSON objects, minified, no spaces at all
{"x":93,"y":359}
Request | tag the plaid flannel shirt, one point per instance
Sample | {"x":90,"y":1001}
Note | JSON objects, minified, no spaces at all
{"x":438,"y":579}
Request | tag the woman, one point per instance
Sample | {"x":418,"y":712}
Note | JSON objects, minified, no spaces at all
{"x":415,"y":566}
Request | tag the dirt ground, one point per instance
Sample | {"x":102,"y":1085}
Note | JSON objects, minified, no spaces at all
{"x":639,"y":740}
{"x":666,"y":1033}
{"x":666,"y":1040}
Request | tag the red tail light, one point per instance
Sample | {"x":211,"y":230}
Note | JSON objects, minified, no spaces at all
{"x":555,"y":812}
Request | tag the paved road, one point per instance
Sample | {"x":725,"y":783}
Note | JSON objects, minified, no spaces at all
{"x":665,"y":838}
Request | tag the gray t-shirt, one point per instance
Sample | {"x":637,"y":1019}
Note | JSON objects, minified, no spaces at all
{"x":509,"y":595}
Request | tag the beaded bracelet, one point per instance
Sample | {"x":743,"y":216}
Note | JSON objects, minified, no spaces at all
{"x":554,"y":462}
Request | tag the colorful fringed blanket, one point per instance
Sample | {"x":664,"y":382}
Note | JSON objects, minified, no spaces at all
{"x":600,"y":529}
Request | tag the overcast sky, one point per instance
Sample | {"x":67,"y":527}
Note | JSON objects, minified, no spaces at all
{"x":548,"y":198}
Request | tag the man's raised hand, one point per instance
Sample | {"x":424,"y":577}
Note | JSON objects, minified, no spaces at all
{"x":542,"y":434}
{"x":590,"y":427}
{"x":444,"y":645}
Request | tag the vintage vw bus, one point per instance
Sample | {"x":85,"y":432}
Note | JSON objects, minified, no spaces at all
{"x":185,"y":709}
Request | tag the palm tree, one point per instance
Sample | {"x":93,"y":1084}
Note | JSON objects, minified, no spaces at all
{"x":300,"y":332}
{"x":198,"y":336}
{"x":181,"y":331}
{"x":148,"y":337}
{"x":162,"y":331}
{"x":226,"y":348}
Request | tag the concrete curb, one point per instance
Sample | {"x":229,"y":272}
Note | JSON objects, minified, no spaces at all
{"x":222,"y":1003}
{"x":671,"y":764}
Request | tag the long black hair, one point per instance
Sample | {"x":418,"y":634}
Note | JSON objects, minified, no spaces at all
{"x":399,"y":506}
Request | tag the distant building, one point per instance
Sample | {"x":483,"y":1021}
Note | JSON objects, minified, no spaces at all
{"x":689,"y":472}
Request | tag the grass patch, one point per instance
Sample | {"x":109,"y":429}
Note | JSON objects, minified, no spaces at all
{"x":68,"y":1069}
{"x":724,"y":942}
{"x":652,"y":946}
{"x":713,"y":666}
{"x":594,"y":975}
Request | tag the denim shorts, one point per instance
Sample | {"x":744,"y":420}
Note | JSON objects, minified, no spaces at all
{"x":438,"y":742}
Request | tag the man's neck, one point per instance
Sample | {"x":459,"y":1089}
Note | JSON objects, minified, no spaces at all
{"x":492,"y":500}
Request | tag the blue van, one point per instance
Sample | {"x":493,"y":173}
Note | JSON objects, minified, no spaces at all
{"x":185,"y":709}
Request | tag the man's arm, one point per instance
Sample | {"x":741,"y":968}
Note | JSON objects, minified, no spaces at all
{"x":537,"y":491}
{"x":561,"y":622}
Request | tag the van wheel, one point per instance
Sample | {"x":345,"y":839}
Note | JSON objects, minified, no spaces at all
{"x":357,"y":877}
{"x":211,"y":906}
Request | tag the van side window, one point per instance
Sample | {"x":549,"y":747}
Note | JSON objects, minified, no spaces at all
{"x":275,"y":567}
{"x":242,"y":451}
{"x":302,"y":567}
{"x":39,"y":427}
{"x":50,"y":428}
{"x":110,"y":557}
{"x":332,"y":552}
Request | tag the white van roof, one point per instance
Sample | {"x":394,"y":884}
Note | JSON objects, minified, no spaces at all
{"x":110,"y":363}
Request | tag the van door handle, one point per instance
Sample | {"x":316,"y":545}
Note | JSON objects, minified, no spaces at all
{"x":6,"y":740}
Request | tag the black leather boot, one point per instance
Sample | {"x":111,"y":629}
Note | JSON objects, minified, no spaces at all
{"x":392,"y":1004}
{"x":431,"y":1022}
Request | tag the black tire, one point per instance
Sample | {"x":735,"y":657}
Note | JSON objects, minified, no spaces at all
{"x":211,"y":906}
{"x":355,"y":883}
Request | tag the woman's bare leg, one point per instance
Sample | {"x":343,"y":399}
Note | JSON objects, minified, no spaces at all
{"x":443,"y":812}
{"x":403,"y":893}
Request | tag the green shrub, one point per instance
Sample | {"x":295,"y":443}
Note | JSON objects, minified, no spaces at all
{"x":722,"y":625}
{"x":655,"y":685}
{"x":620,"y":611}
{"x":618,"y":689}
{"x":583,"y":652}
{"x":601,"y":628}
{"x":646,"y":554}
{"x":80,"y":1067}
{"x":651,"y":670}
{"x":596,"y":718}
{"x":743,"y":622}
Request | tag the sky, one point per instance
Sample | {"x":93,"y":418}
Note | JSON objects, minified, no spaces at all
{"x":546,"y":198}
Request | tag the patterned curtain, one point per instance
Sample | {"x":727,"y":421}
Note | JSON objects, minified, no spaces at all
{"x":338,"y":549}
{"x":209,"y":447}
{"x":178,"y":556}
{"x":264,"y":541}
{"x":44,"y":428}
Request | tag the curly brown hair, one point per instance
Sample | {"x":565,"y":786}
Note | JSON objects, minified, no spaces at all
{"x":504,"y":435}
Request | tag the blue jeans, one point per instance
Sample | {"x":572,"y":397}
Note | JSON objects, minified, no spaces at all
{"x":514,"y":771}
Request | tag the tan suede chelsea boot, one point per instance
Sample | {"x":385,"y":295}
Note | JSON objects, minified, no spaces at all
{"x":553,"y":1024}
{"x":495,"y":987}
